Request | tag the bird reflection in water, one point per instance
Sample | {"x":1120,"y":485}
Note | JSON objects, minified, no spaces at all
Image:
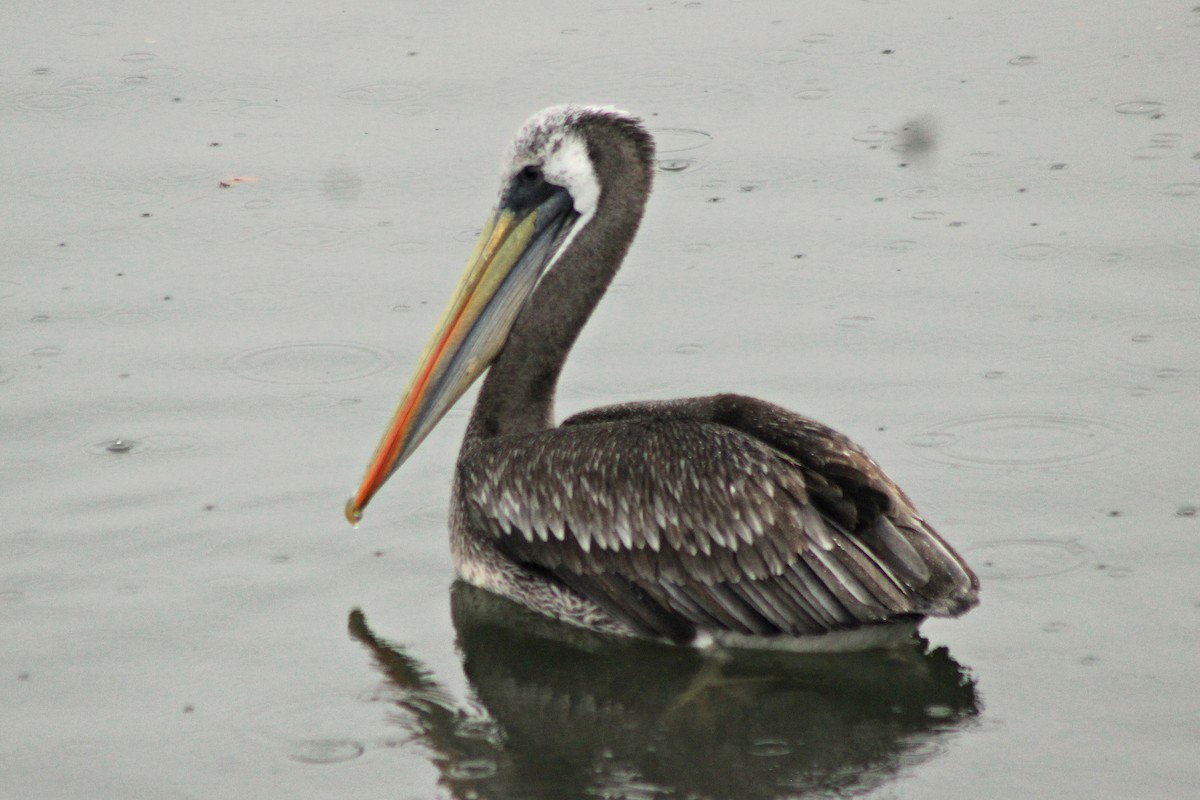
{"x":561,"y":712}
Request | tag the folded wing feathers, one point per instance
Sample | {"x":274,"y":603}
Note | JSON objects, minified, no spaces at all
{"x":715,"y":528}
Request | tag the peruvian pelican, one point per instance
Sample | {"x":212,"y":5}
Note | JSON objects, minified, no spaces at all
{"x":719,"y":519}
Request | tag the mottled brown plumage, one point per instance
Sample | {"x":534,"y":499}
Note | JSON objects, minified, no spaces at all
{"x":720,"y":517}
{"x":720,"y":513}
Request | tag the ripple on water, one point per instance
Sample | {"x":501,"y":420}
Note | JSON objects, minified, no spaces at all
{"x":383,"y":94}
{"x":748,"y":175}
{"x":96,"y":84}
{"x":325,"y":751}
{"x":678,"y":140}
{"x":1020,"y":440}
{"x":815,"y":93}
{"x":472,"y":769}
{"x":1026,"y":558}
{"x":147,"y":75}
{"x":242,"y":101}
{"x":295,"y":730}
{"x":1034,"y":251}
{"x":48,"y":101}
{"x":855,"y":321}
{"x":309,"y":362}
{"x":1161,"y":145}
{"x":980,"y":159}
{"x":671,"y":165}
{"x":1157,"y":346}
{"x":874,"y":135}
{"x":1139,"y":107}
{"x":154,"y":444}
{"x":770,"y":748}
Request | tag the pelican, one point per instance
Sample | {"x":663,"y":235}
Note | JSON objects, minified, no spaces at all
{"x":721,"y":520}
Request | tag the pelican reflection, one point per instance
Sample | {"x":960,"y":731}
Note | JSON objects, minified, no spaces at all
{"x":561,"y":712}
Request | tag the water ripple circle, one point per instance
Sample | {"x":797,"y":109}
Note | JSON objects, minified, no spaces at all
{"x":1026,"y":558}
{"x":309,"y":362}
{"x":1020,"y":440}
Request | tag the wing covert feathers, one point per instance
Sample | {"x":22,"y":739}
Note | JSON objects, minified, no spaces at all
{"x":721,"y":514}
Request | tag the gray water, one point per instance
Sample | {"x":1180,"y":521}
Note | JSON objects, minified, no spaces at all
{"x":965,"y":236}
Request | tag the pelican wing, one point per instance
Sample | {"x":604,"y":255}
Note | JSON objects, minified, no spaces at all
{"x":720,"y":513}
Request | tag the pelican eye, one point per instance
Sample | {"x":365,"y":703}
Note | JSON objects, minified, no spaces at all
{"x":528,"y":188}
{"x":530,"y":174}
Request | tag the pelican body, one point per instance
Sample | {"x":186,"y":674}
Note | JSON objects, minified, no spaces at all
{"x":711,"y":519}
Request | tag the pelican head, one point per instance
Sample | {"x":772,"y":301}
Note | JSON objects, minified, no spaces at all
{"x":548,"y":192}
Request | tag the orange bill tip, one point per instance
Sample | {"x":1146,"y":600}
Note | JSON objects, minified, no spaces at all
{"x":353,"y":512}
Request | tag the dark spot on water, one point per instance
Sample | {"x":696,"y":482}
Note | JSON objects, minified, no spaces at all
{"x":1186,"y":511}
{"x":62,"y":244}
{"x":280,"y":559}
{"x":1089,"y":660}
{"x":377,"y":553}
{"x":214,"y":144}
{"x":798,"y":255}
{"x":119,"y":274}
{"x":956,"y":224}
{"x":1058,"y":166}
{"x":209,"y":507}
{"x":166,"y":297}
{"x":880,"y":199}
{"x":24,"y":676}
{"x":119,"y":446}
{"x":887,"y":52}
{"x":189,"y":708}
{"x":1114,"y":513}
{"x":902,"y":164}
{"x":146,"y":215}
{"x":1022,"y":190}
{"x":713,"y":200}
{"x":176,"y":99}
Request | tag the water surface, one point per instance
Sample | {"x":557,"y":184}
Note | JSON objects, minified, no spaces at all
{"x":968,"y":238}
